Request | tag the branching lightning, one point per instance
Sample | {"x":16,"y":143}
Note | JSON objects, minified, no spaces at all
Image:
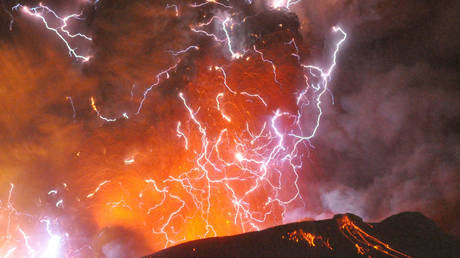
{"x":238,"y":165}
{"x":42,"y":11}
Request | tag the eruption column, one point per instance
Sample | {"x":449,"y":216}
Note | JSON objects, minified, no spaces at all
{"x":239,"y":172}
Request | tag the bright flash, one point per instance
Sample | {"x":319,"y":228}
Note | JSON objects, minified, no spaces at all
{"x":52,"y":249}
{"x":239,"y":156}
{"x":278,"y":4}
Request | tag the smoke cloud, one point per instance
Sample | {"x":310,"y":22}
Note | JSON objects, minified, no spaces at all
{"x":388,"y":141}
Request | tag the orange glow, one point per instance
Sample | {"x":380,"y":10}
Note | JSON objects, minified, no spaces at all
{"x":311,"y":239}
{"x":363,"y":240}
{"x":173,"y":206}
{"x":213,"y":146}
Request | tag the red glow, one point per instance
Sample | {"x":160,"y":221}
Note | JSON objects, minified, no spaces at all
{"x":223,"y":155}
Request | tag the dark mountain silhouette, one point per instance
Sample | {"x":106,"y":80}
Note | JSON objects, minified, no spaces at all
{"x":408,"y":234}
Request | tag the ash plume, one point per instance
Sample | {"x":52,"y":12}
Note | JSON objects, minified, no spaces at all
{"x":388,"y":140}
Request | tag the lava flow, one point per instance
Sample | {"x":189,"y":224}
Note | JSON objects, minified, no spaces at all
{"x":222,"y":155}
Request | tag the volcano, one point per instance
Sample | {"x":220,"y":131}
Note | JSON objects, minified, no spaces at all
{"x":129,"y":126}
{"x":408,"y":234}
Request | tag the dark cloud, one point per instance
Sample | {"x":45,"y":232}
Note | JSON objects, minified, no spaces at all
{"x":391,"y":142}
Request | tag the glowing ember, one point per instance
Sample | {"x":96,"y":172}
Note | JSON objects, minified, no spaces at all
{"x":311,"y":239}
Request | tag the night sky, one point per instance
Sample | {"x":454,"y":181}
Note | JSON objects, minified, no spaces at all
{"x":388,"y":140}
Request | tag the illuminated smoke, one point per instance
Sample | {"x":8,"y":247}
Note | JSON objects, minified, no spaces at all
{"x":233,"y":173}
{"x":168,"y":122}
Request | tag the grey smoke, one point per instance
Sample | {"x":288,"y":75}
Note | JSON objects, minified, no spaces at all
{"x":391,"y":142}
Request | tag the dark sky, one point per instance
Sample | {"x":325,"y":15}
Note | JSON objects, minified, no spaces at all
{"x":391,"y":141}
{"x":388,"y":141}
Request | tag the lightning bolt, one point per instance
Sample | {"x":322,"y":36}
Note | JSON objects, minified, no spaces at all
{"x":62,"y":32}
{"x":259,"y":156}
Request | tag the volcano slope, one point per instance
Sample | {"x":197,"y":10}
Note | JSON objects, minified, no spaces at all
{"x":408,"y":234}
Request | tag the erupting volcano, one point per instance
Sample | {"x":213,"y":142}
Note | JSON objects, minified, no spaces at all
{"x":133,"y":126}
